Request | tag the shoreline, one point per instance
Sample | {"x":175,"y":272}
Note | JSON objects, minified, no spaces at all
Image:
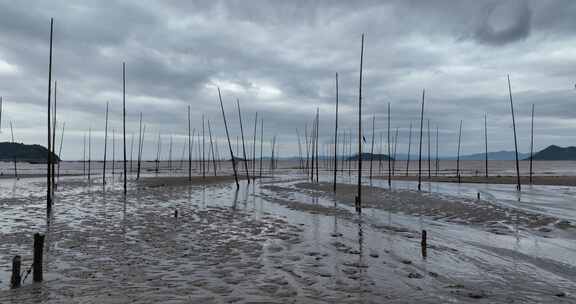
{"x":544,"y":180}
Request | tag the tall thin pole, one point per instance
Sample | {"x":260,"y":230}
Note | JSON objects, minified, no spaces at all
{"x":372,"y":148}
{"x":1,"y":105}
{"x":53,"y":163}
{"x":437,"y":159}
{"x":299,"y":150}
{"x":105,"y":147}
{"x":336,"y":137}
{"x":84,"y":154}
{"x":89,"y":151}
{"x":203,"y":150}
{"x":170,"y":154}
{"x":124,"y":121}
{"x":458,"y":157}
{"x":139,"y":147}
{"x":15,"y":168}
{"x":113,"y":152}
{"x":254,"y":147}
{"x":389,"y":152}
{"x":131,"y":152}
{"x":261,"y":144}
{"x":515,"y":140}
{"x":420,"y":148}
{"x":485,"y":146}
{"x":429,"y":159}
{"x":409,"y":144}
{"x":229,"y":143}
{"x":158,"y":151}
{"x":243,"y":146}
{"x":317,"y":139}
{"x":531,"y":143}
{"x":394,"y":152}
{"x":212,"y":147}
{"x":359,"y":197}
{"x":48,"y":181}
{"x":189,"y":148}
{"x":60,"y":150}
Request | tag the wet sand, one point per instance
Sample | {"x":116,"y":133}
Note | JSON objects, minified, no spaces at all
{"x":279,"y":240}
{"x":524,"y":180}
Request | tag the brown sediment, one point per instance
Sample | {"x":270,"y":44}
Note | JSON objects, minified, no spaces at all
{"x":552,"y":180}
{"x":495,"y":218}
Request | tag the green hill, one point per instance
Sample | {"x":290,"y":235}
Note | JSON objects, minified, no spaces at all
{"x":24,"y":153}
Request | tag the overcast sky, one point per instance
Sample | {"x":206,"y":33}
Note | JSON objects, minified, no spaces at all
{"x":280,"y":57}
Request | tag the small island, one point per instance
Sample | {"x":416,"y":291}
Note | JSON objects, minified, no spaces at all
{"x":24,"y":153}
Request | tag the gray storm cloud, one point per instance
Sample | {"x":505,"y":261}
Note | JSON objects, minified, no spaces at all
{"x":517,"y":19}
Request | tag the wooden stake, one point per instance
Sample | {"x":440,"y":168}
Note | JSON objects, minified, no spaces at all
{"x":53,"y":163}
{"x":317,"y":139}
{"x":229,"y":143}
{"x":16,"y":279}
{"x":170,"y":155}
{"x":113,"y":153}
{"x":394,"y":153}
{"x":420,"y":147}
{"x":158,"y":151}
{"x":90,"y":151}
{"x":38,"y":257}
{"x":131,"y":152}
{"x":515,"y":140}
{"x":203,"y":150}
{"x":437,"y":159}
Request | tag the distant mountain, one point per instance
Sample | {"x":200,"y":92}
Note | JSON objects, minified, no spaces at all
{"x":499,"y":155}
{"x":555,"y":153}
{"x":24,"y":153}
{"x":368,"y":156}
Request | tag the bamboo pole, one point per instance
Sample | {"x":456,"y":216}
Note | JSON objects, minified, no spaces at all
{"x":113,"y":153}
{"x":89,"y":151}
{"x":409,"y":144}
{"x":437,"y":159}
{"x":380,"y":152}
{"x":124,"y":122}
{"x":49,"y":159}
{"x":131,"y":152}
{"x":389,"y":152}
{"x":140,"y":142}
{"x":60,"y":150}
{"x":336,"y":137}
{"x":229,"y":143}
{"x":158,"y":151}
{"x":458,"y":157}
{"x":52,"y":168}
{"x":212,"y":147}
{"x":394,"y":153}
{"x":359,"y":196}
{"x":317,"y":140}
{"x":486,"y":145}
{"x":243,"y":145}
{"x":189,"y":149}
{"x":105,"y":147}
{"x":372,"y":148}
{"x":170,"y":155}
{"x":254,"y":147}
{"x":420,"y":147}
{"x":261,"y":144}
{"x":429,"y":159}
{"x":531,"y":143}
{"x":15,"y":168}
{"x":515,"y":140}
{"x":299,"y":150}
{"x":203,"y":150}
{"x":1,"y":106}
{"x":84,"y":154}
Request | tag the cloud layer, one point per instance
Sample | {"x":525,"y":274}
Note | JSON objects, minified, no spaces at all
{"x":279,"y":59}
